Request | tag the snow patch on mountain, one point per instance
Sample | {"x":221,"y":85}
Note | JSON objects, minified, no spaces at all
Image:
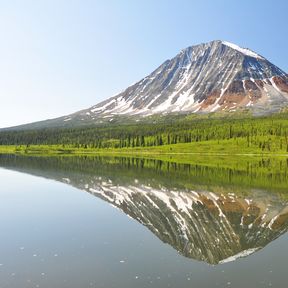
{"x":245,"y":51}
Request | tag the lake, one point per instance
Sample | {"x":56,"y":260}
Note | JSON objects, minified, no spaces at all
{"x":129,"y":222}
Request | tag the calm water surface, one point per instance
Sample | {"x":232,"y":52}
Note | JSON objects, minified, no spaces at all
{"x":115,"y":222}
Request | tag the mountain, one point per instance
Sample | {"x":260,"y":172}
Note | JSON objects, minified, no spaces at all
{"x":216,"y":225}
{"x":204,"y":78}
{"x":215,"y":76}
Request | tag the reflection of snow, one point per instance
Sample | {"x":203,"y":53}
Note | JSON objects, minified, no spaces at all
{"x":200,"y":224}
{"x":239,"y":255}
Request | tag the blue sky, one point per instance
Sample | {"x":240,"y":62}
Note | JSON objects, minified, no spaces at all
{"x":57,"y":56}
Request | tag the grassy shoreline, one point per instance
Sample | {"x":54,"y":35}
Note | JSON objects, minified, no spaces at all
{"x":181,"y":153}
{"x":214,"y":147}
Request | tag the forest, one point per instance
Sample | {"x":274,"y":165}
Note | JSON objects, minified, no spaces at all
{"x":269,"y":133}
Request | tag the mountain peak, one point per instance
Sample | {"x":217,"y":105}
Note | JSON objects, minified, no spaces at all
{"x":219,"y":43}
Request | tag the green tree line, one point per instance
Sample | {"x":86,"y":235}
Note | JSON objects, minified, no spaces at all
{"x":261,"y":132}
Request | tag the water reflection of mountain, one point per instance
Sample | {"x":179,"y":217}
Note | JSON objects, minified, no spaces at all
{"x":216,"y":223}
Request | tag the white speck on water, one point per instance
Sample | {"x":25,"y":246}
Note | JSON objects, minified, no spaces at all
{"x":188,"y":279}
{"x":21,"y":248}
{"x":136,"y":277}
{"x":122,"y":261}
{"x":55,"y":255}
{"x":42,"y":273}
{"x":34,"y":255}
{"x":228,"y":283}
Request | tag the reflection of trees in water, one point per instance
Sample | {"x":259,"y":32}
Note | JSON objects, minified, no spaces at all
{"x":262,"y":173}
